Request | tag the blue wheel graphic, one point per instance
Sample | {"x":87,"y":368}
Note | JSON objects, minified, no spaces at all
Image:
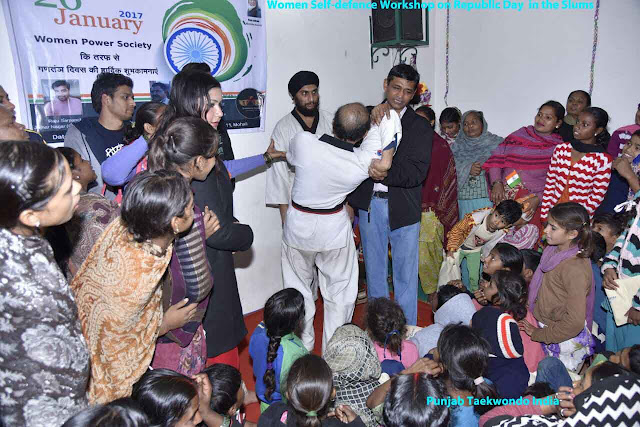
{"x":192,"y":45}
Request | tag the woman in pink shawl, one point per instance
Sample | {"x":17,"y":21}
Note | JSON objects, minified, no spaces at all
{"x":621,"y":136}
{"x":518,"y":167}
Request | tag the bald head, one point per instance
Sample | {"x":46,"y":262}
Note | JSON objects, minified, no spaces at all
{"x":351,"y":122}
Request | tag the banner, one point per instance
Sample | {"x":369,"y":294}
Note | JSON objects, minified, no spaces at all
{"x":60,"y":46}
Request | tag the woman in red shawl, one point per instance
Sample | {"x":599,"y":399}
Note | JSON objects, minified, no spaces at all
{"x":518,"y":167}
{"x":439,"y":208}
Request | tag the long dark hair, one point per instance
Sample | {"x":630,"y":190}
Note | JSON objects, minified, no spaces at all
{"x":189,"y":95}
{"x":387,"y":323}
{"x":182,"y":140}
{"x":607,"y":370}
{"x":31,"y":174}
{"x":225,"y":382}
{"x":309,"y":389}
{"x":573,"y":216}
{"x":450,"y":115}
{"x":512,"y":293}
{"x":602,"y":119}
{"x":617,"y":222}
{"x":164,"y":395}
{"x":151,"y":201}
{"x":558,"y":110}
{"x":510,"y":256}
{"x":531,"y":259}
{"x":283,"y":314}
{"x":465,"y":356}
{"x":406,"y":402}
{"x":123,"y":412}
{"x":69,"y":154}
{"x":149,"y":112}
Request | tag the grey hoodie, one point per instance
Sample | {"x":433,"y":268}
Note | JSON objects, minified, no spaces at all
{"x":459,"y":309}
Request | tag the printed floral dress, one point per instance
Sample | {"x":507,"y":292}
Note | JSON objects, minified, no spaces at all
{"x":44,"y":362}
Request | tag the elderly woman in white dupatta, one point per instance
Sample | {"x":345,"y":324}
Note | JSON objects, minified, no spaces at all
{"x":472,"y":148}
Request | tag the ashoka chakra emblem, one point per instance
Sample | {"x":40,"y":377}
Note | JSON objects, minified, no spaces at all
{"x":192,"y":45}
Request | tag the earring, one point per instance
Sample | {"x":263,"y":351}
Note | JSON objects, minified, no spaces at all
{"x":176,"y":231}
{"x":77,"y":177}
{"x":37,"y":224}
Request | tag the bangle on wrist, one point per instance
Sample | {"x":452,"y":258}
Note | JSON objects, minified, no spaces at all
{"x":267,"y":158}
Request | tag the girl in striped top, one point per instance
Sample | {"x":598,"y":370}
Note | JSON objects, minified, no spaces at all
{"x":580,"y":170}
{"x":622,"y":263}
{"x":497,"y":323}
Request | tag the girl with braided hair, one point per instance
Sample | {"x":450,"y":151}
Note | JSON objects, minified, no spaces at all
{"x":275,"y":344}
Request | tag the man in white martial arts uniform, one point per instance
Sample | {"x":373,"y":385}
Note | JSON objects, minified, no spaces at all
{"x":306,"y":116}
{"x":317,"y":229}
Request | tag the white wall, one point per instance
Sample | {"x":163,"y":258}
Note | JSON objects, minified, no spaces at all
{"x":335,"y":45}
{"x":508,"y":63}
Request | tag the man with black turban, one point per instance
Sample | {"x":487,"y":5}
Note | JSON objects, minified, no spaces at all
{"x":306,"y":116}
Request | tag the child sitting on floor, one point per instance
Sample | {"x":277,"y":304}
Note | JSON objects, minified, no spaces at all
{"x":275,"y":344}
{"x":477,"y":233}
{"x":387,"y":327}
{"x":450,"y":305}
{"x":309,"y":394}
{"x":401,"y":407}
{"x":497,"y":323}
{"x":460,"y":360}
{"x":228,"y":395}
{"x":610,"y":226}
{"x":503,"y":257}
{"x":353,"y":360}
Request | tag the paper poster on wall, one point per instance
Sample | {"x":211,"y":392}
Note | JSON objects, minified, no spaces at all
{"x":60,"y":46}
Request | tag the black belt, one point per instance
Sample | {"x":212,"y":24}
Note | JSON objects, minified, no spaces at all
{"x":329,"y":211}
{"x":381,"y":194}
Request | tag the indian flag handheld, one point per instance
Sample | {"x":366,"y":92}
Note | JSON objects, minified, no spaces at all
{"x":513,"y":179}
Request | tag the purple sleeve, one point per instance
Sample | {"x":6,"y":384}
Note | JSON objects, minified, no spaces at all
{"x":239,"y":166}
{"x":495,"y":174}
{"x":615,"y":144}
{"x":118,"y":169}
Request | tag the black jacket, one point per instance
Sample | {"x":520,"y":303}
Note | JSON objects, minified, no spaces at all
{"x":223,"y":321}
{"x":404,"y":179}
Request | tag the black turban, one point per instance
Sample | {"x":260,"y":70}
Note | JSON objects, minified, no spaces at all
{"x":302,"y":78}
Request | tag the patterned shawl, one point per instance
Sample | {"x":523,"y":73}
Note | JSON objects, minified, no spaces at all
{"x":120,"y":307}
{"x":91,"y":217}
{"x":356,"y":369}
{"x":190,"y":278}
{"x":44,"y":360}
{"x":524,"y":149}
{"x":467,"y":151}
{"x":613,"y":401}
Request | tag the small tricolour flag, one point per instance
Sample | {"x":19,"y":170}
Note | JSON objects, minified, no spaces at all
{"x":513,"y":179}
